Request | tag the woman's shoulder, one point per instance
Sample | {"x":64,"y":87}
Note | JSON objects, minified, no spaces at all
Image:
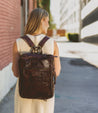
{"x":50,"y":38}
{"x":19,"y":40}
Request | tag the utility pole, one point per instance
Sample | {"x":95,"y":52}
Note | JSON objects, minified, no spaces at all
{"x":80,"y":21}
{"x":26,"y":11}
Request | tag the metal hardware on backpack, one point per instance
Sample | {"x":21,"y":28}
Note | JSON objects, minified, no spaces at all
{"x":37,"y":50}
{"x":37,"y":73}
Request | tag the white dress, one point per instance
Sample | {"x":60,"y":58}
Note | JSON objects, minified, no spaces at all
{"x":22,"y":105}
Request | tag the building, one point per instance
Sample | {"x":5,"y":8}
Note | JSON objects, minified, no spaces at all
{"x":80,"y":16}
{"x":70,"y":15}
{"x":13,"y":17}
{"x":89,"y":17}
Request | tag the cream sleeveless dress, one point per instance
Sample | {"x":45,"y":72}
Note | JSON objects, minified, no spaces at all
{"x":22,"y":105}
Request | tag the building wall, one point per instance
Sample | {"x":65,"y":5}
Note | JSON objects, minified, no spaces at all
{"x":70,"y":15}
{"x":32,"y":5}
{"x":80,"y":16}
{"x":10,"y":30}
{"x":89,"y":17}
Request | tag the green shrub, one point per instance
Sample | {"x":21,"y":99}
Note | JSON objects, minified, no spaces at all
{"x":73,"y":37}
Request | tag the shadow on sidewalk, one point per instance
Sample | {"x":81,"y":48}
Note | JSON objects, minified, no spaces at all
{"x":7,"y":104}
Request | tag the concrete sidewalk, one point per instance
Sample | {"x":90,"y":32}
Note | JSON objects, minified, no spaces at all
{"x":86,"y":51}
{"x":7,"y":104}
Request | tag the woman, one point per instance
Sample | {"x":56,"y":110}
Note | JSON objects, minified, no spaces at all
{"x":35,"y":29}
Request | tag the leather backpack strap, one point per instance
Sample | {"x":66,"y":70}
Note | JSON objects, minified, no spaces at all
{"x":42,"y":42}
{"x":28,"y":40}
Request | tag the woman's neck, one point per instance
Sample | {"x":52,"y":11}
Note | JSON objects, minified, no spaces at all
{"x":37,"y":32}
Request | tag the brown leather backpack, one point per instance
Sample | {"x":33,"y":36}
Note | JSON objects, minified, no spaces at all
{"x":37,"y":73}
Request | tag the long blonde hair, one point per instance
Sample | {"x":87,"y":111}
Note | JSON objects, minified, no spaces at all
{"x":34,"y":20}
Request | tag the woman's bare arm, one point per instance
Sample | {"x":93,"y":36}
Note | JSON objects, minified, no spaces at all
{"x":57,"y":59}
{"x":15,"y":67}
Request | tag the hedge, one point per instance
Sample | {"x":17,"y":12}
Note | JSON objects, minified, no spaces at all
{"x":73,"y":37}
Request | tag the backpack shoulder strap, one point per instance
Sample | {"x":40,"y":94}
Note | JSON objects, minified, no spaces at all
{"x":42,"y":42}
{"x":28,"y":40}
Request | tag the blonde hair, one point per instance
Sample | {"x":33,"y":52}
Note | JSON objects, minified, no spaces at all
{"x":34,"y":20}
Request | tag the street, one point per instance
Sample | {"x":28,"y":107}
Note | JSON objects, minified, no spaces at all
{"x":77,"y":85}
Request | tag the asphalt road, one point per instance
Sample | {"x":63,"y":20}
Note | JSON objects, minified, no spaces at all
{"x":77,"y":87}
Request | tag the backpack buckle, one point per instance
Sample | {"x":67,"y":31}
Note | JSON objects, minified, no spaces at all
{"x":36,"y":50}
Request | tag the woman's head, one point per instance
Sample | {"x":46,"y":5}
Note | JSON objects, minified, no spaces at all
{"x":37,"y":21}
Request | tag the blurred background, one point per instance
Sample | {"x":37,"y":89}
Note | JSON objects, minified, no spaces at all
{"x":74,"y":26}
